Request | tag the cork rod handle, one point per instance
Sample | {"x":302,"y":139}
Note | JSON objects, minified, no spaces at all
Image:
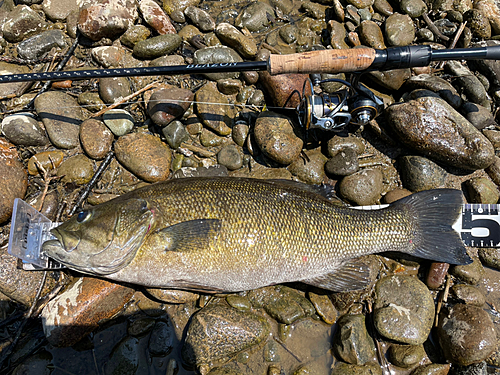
{"x":325,"y":61}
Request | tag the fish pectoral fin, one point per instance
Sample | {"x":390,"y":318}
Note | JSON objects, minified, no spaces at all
{"x":354,"y":274}
{"x":190,"y":235}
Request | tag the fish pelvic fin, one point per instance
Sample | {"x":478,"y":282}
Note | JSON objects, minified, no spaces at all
{"x":435,"y":211}
{"x":354,"y":274}
{"x":190,"y":235}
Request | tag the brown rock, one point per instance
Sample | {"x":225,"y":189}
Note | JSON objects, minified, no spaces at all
{"x":466,"y":334}
{"x":13,"y":178}
{"x":144,"y":155}
{"x":80,"y":309}
{"x":217,"y":116}
{"x":285,"y":89}
{"x":46,"y":159}
{"x":156,"y":17}
{"x":167,"y":104}
{"x":96,"y":138}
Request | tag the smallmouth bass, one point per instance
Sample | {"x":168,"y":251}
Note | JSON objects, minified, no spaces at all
{"x":233,"y":234}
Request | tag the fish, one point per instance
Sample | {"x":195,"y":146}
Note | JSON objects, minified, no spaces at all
{"x":226,"y":234}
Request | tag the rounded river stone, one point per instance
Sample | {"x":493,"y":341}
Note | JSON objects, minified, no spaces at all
{"x":403,"y":310}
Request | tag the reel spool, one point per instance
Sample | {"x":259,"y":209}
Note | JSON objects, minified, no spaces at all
{"x":333,"y":112}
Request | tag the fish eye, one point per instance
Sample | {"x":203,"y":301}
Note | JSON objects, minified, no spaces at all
{"x":83,"y":216}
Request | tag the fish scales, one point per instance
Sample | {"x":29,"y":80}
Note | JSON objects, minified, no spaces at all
{"x":231,"y":234}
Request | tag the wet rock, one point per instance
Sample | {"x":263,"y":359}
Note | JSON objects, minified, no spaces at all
{"x":324,"y":307}
{"x":344,"y":163}
{"x":240,"y":133}
{"x":419,"y":173}
{"x":157,"y":46}
{"x":494,"y":170}
{"x":406,"y":356}
{"x":106,"y":18}
{"x":91,"y":101}
{"x":231,"y":157}
{"x":21,"y":23}
{"x":473,"y":88}
{"x":481,"y":190}
{"x":353,"y":343}
{"x":80,"y":309}
{"x":218,"y":332}
{"x":493,"y":136}
{"x":124,"y":358}
{"x":23,"y":130}
{"x":490,"y":257}
{"x":432,"y":369}
{"x":218,"y":116}
{"x":471,"y":273}
{"x":466,"y":334}
{"x":399,"y":30}
{"x":59,"y":10}
{"x":201,"y":19}
{"x":13,"y":178}
{"x":314,"y":10}
{"x":403,"y":310}
{"x":168,"y":61}
{"x":337,"y":35}
{"x":371,"y":35}
{"x":166,"y":105}
{"x":255,"y":17}
{"x":391,"y":79}
{"x":479,"y":116}
{"x":175,"y":133}
{"x":119,"y":121}
{"x":141,"y":326}
{"x":61,"y":116}
{"x":108,"y":56}
{"x":413,"y":8}
{"x":11,"y":89}
{"x":156,"y":17}
{"x":238,"y":302}
{"x":144,"y":155}
{"x":276,"y":138}
{"x":37,"y":364}
{"x":289,"y":33}
{"x":383,"y":7}
{"x":134,"y":34}
{"x":284,"y":304}
{"x":172,"y":295}
{"x":96,"y":138}
{"x":284,"y":89}
{"x":437,"y":274}
{"x":310,"y":169}
{"x":172,"y":6}
{"x":161,"y":339}
{"x":490,"y":9}
{"x":34,"y":47}
{"x":77,"y":170}
{"x":229,"y":86}
{"x":212,"y":171}
{"x":437,"y":85}
{"x":363,"y":187}
{"x":46,"y":159}
{"x":214,"y":55}
{"x":230,"y":35}
{"x":210,"y":139}
{"x":114,"y":89}
{"x":396,"y":194}
{"x":468,"y":294}
{"x":434,"y":128}
{"x":342,"y":368}
{"x":339,"y":143}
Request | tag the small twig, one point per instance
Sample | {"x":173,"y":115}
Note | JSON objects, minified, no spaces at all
{"x":434,"y":28}
{"x":198,"y":150}
{"x":86,"y":191}
{"x":46,"y":180}
{"x":126,"y":99}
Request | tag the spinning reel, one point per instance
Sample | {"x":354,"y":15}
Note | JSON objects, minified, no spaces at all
{"x":355,"y":104}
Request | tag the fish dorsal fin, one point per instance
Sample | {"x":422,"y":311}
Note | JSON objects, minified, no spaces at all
{"x":326,"y":191}
{"x":351,"y":275}
{"x":190,"y":235}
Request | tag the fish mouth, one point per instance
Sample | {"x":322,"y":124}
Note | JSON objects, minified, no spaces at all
{"x":68,"y":241}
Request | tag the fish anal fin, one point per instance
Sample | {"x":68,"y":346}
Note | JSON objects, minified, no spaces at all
{"x":354,"y":274}
{"x":189,"y":235}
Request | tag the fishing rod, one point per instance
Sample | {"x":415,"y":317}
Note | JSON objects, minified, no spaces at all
{"x":356,"y":104}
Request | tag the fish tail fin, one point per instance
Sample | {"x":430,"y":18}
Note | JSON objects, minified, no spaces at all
{"x":435,"y":212}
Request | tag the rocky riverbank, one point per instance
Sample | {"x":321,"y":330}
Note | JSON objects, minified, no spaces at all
{"x":439,"y":129}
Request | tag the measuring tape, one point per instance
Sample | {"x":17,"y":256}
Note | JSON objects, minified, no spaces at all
{"x":479,"y":225}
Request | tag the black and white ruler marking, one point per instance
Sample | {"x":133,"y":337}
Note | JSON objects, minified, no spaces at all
{"x":479,"y":225}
